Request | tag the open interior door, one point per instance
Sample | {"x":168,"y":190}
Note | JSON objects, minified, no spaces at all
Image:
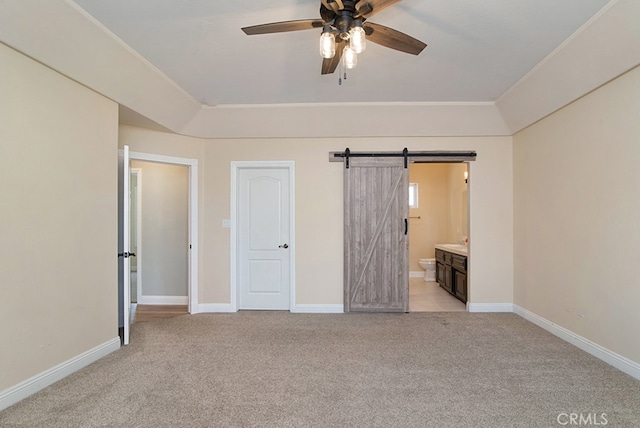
{"x":124,"y":262}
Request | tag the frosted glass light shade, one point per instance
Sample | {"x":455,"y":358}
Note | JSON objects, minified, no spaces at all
{"x":357,"y":39}
{"x":327,"y":45}
{"x":349,"y":57}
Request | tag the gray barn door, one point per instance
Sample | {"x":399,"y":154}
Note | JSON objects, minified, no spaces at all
{"x":376,"y":241}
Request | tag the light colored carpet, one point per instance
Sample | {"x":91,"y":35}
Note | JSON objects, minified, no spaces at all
{"x":278,"y":369}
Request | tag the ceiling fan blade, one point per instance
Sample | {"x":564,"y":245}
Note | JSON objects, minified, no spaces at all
{"x":334,"y":5}
{"x":368,"y":8}
{"x":393,"y":39}
{"x":284,"y":26}
{"x":329,"y":65}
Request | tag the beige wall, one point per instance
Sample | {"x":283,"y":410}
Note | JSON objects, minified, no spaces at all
{"x":58,"y":220}
{"x":577,"y":240}
{"x":319,"y":244}
{"x":457,"y":196}
{"x":164,"y":228}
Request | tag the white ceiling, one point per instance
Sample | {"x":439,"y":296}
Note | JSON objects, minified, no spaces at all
{"x":476,"y":49}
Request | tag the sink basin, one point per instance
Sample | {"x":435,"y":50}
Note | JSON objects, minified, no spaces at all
{"x":454,"y":248}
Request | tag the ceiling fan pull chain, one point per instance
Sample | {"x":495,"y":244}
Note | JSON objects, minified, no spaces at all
{"x":343,"y":69}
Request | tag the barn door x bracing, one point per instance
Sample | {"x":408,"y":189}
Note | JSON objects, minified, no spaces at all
{"x":376,"y":243}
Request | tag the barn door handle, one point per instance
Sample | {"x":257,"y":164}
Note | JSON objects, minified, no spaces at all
{"x":406,"y":226}
{"x":283,"y":246}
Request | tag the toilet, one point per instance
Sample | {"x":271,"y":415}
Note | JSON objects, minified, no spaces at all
{"x":429,"y":266}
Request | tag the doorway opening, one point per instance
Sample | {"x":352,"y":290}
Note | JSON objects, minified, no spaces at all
{"x":135,"y":231}
{"x":164,"y":232}
{"x":161,"y":259}
{"x":376,"y":226}
{"x":438,"y":215}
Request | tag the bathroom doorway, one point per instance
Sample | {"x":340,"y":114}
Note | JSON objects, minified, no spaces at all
{"x":438,"y":214}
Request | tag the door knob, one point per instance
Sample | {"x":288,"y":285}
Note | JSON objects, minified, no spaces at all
{"x":283,"y":246}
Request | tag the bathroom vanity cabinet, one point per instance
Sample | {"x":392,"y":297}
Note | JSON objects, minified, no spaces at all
{"x":451,"y":273}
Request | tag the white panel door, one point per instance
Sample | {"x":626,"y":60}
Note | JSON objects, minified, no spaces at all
{"x":124,"y":262}
{"x":263,"y":238}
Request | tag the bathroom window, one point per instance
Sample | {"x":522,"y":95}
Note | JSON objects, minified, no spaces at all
{"x":413,"y":195}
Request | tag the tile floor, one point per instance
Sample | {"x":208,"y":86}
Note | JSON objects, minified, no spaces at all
{"x":429,"y":297}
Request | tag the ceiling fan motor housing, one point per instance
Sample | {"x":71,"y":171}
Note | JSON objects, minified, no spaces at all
{"x":343,"y":23}
{"x":342,"y":19}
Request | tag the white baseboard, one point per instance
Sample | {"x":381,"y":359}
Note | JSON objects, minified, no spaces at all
{"x":40,"y":381}
{"x":416,"y":274}
{"x":319,"y":309}
{"x":163,"y":300}
{"x":203,"y":308}
{"x":490,"y":307}
{"x":307,"y":309}
{"x":618,"y":361}
{"x":132,"y":312}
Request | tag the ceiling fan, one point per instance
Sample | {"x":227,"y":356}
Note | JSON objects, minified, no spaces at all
{"x":344,"y":31}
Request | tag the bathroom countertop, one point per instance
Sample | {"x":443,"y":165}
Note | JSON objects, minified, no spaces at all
{"x":459,"y":249}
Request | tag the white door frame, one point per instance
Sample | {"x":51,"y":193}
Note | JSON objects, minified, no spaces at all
{"x":192,"y":269}
{"x":234,"y":236}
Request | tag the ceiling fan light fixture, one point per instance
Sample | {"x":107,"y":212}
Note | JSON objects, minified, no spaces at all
{"x":345,"y":23}
{"x":357,"y":38}
{"x":327,"y":43}
{"x":349,"y":58}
